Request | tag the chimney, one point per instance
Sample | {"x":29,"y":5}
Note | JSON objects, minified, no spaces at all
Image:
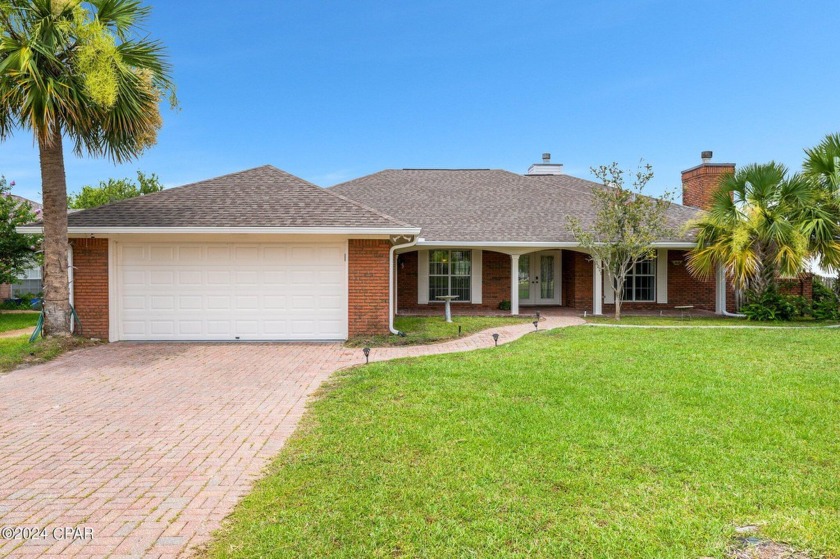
{"x":545,"y":168}
{"x":699,"y":183}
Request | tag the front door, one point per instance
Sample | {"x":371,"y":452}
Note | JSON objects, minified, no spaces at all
{"x":539,"y":278}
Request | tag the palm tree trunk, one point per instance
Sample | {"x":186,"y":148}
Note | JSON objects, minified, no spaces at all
{"x":54,"y":186}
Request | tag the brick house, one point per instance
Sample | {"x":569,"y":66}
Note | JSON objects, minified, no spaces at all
{"x":264,"y":255}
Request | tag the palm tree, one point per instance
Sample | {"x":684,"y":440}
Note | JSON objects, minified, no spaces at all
{"x":762,"y":226}
{"x":84,"y":72}
{"x":822,"y":167}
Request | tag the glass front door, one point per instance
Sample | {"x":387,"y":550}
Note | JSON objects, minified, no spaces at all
{"x":539,"y":279}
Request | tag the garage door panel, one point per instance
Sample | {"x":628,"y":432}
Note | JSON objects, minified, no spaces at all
{"x":172,"y":291}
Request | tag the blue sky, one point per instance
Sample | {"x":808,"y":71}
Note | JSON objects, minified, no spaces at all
{"x":333,"y":90}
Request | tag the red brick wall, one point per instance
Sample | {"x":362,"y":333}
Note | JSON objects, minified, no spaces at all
{"x":368,"y":270}
{"x":90,"y":285}
{"x":577,"y":280}
{"x":802,"y":287}
{"x":700,"y":183}
{"x":5,"y":291}
{"x":683,"y":289}
{"x":495,"y":281}
{"x":407,"y":280}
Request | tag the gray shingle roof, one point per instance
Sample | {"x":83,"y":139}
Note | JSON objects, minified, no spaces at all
{"x":261,"y":197}
{"x":485,"y":205}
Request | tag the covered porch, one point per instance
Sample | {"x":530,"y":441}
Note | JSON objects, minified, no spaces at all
{"x":495,"y":280}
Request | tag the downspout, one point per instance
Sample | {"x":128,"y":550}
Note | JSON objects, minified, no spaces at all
{"x":70,"y":279}
{"x":391,"y":309}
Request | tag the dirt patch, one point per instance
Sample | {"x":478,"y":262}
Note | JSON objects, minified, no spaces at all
{"x":756,"y":548}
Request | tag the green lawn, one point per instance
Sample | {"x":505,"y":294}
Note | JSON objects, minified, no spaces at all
{"x":16,"y":321}
{"x":582,"y":442}
{"x":702,"y":320}
{"x":431,"y":329}
{"x":18,"y":351}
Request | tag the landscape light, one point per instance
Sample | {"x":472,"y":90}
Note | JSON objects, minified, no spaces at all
{"x":366,"y":351}
{"x":496,"y":339}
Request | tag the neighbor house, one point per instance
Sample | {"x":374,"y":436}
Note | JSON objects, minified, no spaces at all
{"x":264,"y":255}
{"x":29,"y":282}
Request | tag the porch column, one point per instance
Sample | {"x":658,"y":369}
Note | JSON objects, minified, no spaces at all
{"x":720,"y":290}
{"x":514,"y":284}
{"x":597,"y":288}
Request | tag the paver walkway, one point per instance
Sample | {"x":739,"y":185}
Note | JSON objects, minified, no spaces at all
{"x":152,"y":445}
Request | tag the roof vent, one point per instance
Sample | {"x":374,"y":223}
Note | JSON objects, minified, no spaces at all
{"x":706,"y":156}
{"x":546,"y":167}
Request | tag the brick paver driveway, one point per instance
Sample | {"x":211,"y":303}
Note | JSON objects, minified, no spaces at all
{"x":152,"y":445}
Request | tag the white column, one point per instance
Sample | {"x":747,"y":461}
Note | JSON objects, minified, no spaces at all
{"x":514,"y":284}
{"x":597,"y":288}
{"x":720,"y":290}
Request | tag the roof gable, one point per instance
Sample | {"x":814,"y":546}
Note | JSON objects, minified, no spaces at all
{"x":260,"y":197}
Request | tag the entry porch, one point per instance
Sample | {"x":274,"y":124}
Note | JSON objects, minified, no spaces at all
{"x":521,"y":280}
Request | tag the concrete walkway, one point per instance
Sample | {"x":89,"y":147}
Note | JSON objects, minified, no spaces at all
{"x":145,"y":448}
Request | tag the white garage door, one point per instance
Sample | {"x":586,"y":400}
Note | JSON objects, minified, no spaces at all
{"x":184,"y":291}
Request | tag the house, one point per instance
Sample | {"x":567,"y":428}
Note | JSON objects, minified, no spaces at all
{"x":30,"y":282}
{"x":264,"y":255}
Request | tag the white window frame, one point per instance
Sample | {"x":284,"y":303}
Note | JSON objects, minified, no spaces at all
{"x":449,"y":275}
{"x":632,"y":275}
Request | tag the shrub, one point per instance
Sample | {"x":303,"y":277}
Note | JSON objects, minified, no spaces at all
{"x":826,"y":303}
{"x":504,"y":305}
{"x":771,"y":305}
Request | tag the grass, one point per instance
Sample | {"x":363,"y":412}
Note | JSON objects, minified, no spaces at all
{"x":580,"y":442}
{"x":17,"y":321}
{"x":17,"y":351}
{"x":432,"y":329}
{"x":703,"y":320}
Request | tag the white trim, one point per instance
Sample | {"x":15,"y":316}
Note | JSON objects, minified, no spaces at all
{"x":422,"y":277}
{"x":392,"y":286}
{"x":720,"y":290}
{"x":662,"y":276}
{"x":597,"y":288}
{"x":514,"y":284}
{"x":609,"y":291}
{"x":113,"y":292}
{"x":71,"y":276}
{"x":347,"y":289}
{"x":517,"y":244}
{"x":475,"y":277}
{"x":229,"y":230}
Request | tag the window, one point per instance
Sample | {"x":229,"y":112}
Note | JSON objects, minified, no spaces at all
{"x":640,"y":283}
{"x":449,"y":274}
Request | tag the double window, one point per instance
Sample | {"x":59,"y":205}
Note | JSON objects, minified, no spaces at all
{"x":640,"y":283}
{"x":450,"y":274}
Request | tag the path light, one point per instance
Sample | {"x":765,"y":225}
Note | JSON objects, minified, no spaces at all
{"x":536,"y":324}
{"x":496,"y":339}
{"x":459,"y":330}
{"x":366,"y":351}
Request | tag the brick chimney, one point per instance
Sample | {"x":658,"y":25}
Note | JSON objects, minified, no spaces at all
{"x":700,"y":182}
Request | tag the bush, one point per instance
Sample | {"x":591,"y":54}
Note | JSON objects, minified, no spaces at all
{"x":771,"y":305}
{"x":24,"y":302}
{"x":826,"y":303}
{"x":504,"y":305}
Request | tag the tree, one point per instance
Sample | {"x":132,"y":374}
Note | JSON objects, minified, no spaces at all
{"x":822,"y":167}
{"x":113,"y":190}
{"x":18,"y":252}
{"x":763,"y":225}
{"x":626,"y":225}
{"x":84,"y":71}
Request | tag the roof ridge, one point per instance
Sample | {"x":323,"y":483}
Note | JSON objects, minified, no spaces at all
{"x":353,"y":202}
